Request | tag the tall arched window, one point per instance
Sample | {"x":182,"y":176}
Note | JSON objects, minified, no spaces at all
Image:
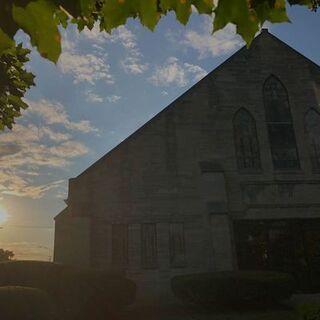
{"x":312,"y":127}
{"x":280,"y":127}
{"x":246,"y":141}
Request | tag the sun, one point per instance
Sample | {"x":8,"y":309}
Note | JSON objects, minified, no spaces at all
{"x":3,"y":215}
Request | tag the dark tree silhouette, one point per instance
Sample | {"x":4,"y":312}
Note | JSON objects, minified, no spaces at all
{"x":6,"y":255}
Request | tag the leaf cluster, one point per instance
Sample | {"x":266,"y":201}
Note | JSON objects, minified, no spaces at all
{"x":14,"y":82}
{"x":40,"y":20}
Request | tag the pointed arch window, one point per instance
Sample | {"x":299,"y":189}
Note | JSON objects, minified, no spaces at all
{"x":246,"y":140}
{"x":312,"y":128}
{"x":280,"y":126}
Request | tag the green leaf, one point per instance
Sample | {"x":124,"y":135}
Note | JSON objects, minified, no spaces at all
{"x":17,"y":102}
{"x":14,"y":81}
{"x":238,"y":13}
{"x":37,"y":19}
{"x":182,"y":8}
{"x":87,"y":6}
{"x":116,"y":12}
{"x":148,"y":13}
{"x":5,"y":42}
{"x":204,"y":6}
{"x":61,"y":18}
{"x":273,"y":13}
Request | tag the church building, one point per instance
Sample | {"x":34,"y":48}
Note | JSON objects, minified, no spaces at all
{"x":226,"y":177}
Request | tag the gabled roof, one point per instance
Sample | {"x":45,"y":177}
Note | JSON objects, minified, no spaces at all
{"x":62,"y":213}
{"x":260,"y":36}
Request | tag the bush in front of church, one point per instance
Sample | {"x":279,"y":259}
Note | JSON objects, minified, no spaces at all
{"x":244,"y":289}
{"x":25,"y":303}
{"x":309,"y":310}
{"x":74,"y":291}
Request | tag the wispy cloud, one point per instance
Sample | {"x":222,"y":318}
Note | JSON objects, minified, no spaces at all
{"x":29,"y":147}
{"x":173,"y":72}
{"x":55,"y":113}
{"x":21,"y":188}
{"x":93,"y":97}
{"x":83,"y":67}
{"x":212,"y":45}
{"x":133,"y":60}
{"x":113,"y":99}
{"x":96,"y":98}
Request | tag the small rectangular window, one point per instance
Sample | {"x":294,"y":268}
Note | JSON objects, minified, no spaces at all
{"x":177,"y":245}
{"x":120,"y":245}
{"x":148,"y":245}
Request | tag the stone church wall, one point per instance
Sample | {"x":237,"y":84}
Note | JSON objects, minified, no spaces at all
{"x":181,"y":167}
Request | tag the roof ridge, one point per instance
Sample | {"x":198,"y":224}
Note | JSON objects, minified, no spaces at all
{"x":263,"y":32}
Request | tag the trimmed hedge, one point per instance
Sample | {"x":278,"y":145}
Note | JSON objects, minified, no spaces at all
{"x":308,"y":310}
{"x":25,"y":303}
{"x":74,"y":291}
{"x":233,"y":288}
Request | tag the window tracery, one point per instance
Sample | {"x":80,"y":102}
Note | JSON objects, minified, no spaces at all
{"x":280,"y":126}
{"x":246,"y":140}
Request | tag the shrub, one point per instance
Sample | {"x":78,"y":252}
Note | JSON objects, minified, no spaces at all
{"x":233,"y":288}
{"x":25,"y":303}
{"x":308,"y":310}
{"x":72,"y":289}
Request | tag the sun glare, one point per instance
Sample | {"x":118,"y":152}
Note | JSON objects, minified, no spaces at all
{"x":3,"y":215}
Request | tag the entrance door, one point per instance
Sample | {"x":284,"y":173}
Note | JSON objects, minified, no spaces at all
{"x":291,"y":246}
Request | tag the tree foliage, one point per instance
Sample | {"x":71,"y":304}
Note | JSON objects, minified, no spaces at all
{"x":6,"y":255}
{"x":40,"y":20}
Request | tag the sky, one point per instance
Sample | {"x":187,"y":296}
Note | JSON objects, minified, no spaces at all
{"x":103,"y":88}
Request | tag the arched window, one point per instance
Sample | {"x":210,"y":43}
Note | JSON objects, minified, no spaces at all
{"x":280,"y":127}
{"x":246,"y":141}
{"x":312,"y":128}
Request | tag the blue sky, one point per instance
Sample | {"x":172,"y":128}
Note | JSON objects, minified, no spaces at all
{"x":103,"y":88}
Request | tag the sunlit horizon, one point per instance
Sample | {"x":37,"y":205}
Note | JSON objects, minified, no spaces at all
{"x":4,"y":216}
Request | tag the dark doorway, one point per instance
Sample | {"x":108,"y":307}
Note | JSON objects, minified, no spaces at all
{"x":291,"y":246}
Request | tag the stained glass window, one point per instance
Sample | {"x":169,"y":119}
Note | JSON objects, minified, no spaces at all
{"x":246,"y":140}
{"x":280,"y":127}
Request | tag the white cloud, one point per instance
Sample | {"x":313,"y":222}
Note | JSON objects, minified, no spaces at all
{"x":85,"y":67}
{"x":54,"y":135}
{"x":21,"y":188}
{"x":132,"y":63}
{"x":89,"y":67}
{"x":207,"y":44}
{"x":54,"y":113}
{"x":93,"y":97}
{"x":69,"y":149}
{"x":133,"y":60}
{"x":113,"y":99}
{"x":173,"y":72}
{"x":29,"y":147}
